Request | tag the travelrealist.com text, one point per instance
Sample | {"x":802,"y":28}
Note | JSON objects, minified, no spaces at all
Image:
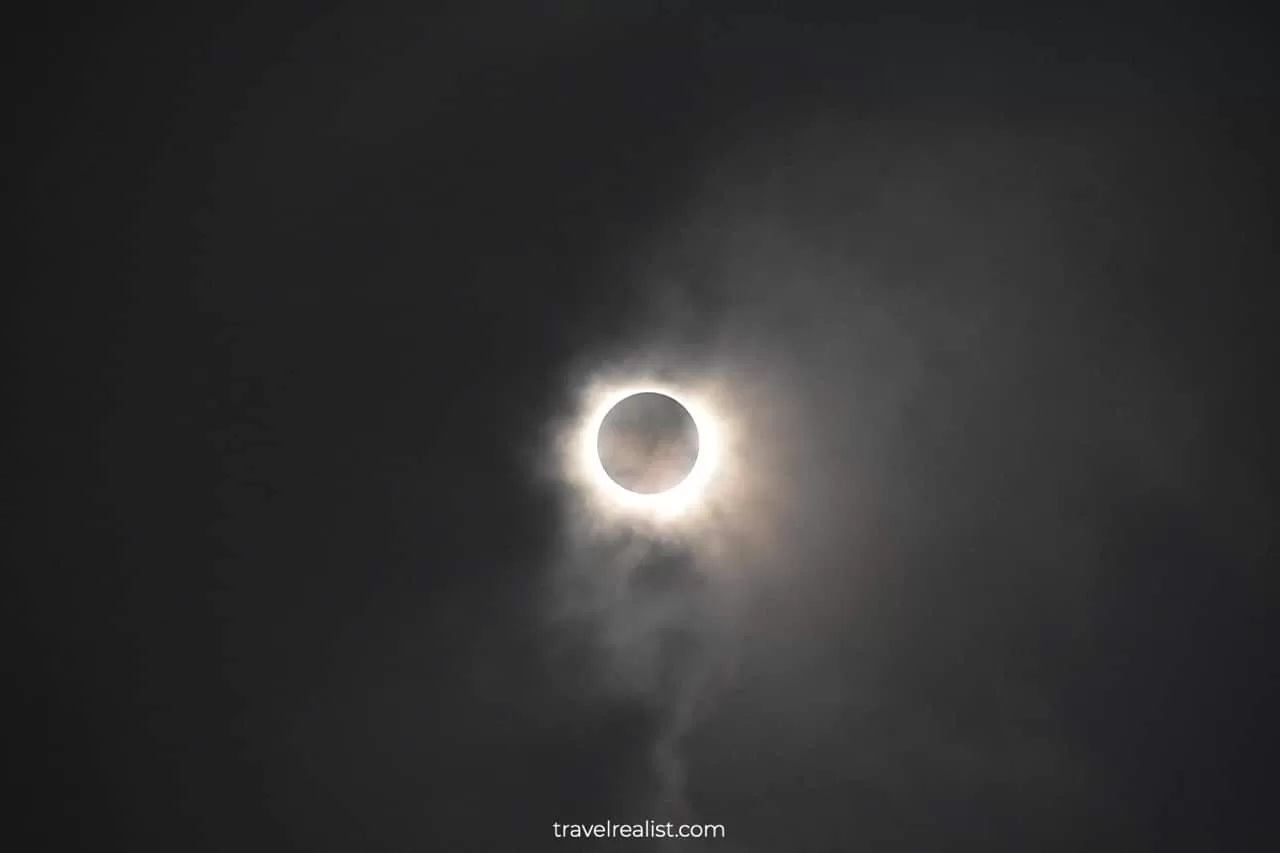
{"x":647,"y":829}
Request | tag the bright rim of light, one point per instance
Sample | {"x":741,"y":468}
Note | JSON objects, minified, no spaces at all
{"x":678,"y":498}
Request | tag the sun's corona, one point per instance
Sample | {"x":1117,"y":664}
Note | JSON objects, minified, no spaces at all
{"x":669,"y":501}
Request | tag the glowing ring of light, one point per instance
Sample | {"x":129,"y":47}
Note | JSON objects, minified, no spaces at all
{"x":680,"y":496}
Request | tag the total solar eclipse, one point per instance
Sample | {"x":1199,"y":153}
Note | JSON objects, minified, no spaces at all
{"x":648,"y":443}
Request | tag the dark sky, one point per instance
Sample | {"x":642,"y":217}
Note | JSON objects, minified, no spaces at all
{"x":304,"y":289}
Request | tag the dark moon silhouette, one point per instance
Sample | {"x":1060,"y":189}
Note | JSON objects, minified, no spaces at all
{"x":648,"y":443}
